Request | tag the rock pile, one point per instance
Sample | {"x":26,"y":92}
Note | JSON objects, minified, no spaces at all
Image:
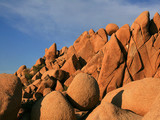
{"x":94,"y":79}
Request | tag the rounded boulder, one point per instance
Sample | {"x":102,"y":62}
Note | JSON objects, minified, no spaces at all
{"x":111,"y":28}
{"x":53,"y":106}
{"x":83,"y":92}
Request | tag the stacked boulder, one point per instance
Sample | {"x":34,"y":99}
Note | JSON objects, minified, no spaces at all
{"x":94,"y":79}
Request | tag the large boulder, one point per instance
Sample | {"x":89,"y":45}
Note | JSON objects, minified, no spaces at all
{"x":10,"y":96}
{"x":111,"y":28}
{"x":113,"y":66}
{"x":109,"y":111}
{"x":83,"y":92}
{"x":136,"y":96}
{"x":53,"y":106}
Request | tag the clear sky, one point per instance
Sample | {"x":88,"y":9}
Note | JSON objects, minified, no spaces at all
{"x":27,"y":27}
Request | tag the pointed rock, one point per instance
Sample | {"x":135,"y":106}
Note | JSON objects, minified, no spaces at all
{"x":113,"y":58}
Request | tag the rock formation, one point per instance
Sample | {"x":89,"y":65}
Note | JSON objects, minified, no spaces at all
{"x":95,"y":78}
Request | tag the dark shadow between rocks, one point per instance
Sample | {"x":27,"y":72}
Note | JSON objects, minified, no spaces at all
{"x":117,"y":99}
{"x":82,"y":62}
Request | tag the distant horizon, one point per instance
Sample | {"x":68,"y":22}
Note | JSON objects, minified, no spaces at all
{"x":28,"y":27}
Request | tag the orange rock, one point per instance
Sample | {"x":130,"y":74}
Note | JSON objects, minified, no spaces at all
{"x":111,"y":28}
{"x":47,"y":82}
{"x":70,"y":79}
{"x":83,"y":92}
{"x":136,"y":96}
{"x":71,"y":66}
{"x":10,"y":96}
{"x":93,"y":67}
{"x":40,"y":61}
{"x":20,"y":69}
{"x":155,"y":24}
{"x":97,"y":41}
{"x":63,"y":51}
{"x":58,"y":109}
{"x":123,"y":35}
{"x":113,"y":58}
{"x":37,"y":76}
{"x":153,"y":113}
{"x":140,"y":29}
{"x":24,"y":80}
{"x":134,"y":63}
{"x":36,"y":83}
{"x":157,"y":43}
{"x":102,"y":33}
{"x":91,"y":32}
{"x":46,"y":91}
{"x":81,"y":41}
{"x":108,"y":111}
{"x":127,"y":77}
{"x":87,"y":48}
{"x":56,"y":73}
{"x":71,"y":51}
{"x":50,"y":54}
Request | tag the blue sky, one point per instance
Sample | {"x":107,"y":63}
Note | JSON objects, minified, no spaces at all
{"x":27,"y":27}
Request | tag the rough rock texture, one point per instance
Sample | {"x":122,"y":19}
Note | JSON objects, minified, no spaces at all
{"x":83,"y":92}
{"x":108,"y":111}
{"x":10,"y":96}
{"x":136,"y":96}
{"x":52,"y":107}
